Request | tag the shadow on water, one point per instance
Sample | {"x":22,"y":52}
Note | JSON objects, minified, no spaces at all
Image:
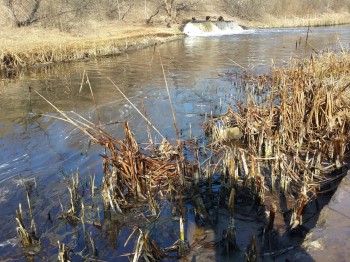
{"x":280,"y":244}
{"x":41,"y":151}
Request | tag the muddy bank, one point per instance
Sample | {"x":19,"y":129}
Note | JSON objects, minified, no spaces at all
{"x":327,"y":241}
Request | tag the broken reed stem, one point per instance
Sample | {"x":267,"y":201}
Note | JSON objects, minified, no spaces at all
{"x":273,"y":210}
{"x":93,"y":246}
{"x":92,"y":184}
{"x":32,"y":222}
{"x":231,"y":203}
{"x":63,"y":252}
{"x":170,"y":102}
{"x":182,"y":165}
{"x":182,"y":229}
{"x":148,"y":127}
{"x":27,"y":239}
{"x":93,"y":98}
{"x":252,"y":251}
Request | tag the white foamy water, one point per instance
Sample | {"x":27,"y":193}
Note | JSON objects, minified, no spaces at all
{"x":212,"y":28}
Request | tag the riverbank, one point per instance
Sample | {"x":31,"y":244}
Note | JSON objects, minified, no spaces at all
{"x":34,"y":46}
{"x":326,"y":242}
{"x":39,"y":46}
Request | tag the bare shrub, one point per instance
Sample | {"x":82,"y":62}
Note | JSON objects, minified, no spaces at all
{"x":339,"y":5}
{"x":66,"y":15}
{"x":23,"y":13}
{"x":171,"y":8}
{"x":249,"y":9}
{"x":116,"y":9}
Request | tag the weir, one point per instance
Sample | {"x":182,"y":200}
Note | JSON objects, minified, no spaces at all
{"x":211,"y":28}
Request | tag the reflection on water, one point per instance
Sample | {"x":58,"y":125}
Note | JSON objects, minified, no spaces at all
{"x":40,"y":147}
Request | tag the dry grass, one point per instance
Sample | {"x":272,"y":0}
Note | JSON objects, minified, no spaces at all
{"x":325,"y":19}
{"x":34,"y":45}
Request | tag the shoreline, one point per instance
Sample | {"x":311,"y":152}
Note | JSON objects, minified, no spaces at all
{"x":30,"y":47}
{"x":51,"y":49}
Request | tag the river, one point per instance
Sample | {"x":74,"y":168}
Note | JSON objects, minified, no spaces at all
{"x":201,"y":73}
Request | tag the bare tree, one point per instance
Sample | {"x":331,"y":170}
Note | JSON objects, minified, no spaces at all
{"x":249,"y":9}
{"x":170,"y":6}
{"x":27,"y":17}
{"x":119,"y":7}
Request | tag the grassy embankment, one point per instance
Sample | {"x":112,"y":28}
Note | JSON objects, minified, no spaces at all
{"x":30,"y":46}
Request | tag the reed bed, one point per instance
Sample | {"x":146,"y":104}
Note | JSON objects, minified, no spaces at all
{"x":294,"y":141}
{"x":299,"y":133}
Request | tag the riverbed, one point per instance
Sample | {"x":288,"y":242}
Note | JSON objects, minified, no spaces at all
{"x":201,"y":72}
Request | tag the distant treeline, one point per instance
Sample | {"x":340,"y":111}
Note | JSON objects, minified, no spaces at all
{"x":63,"y":13}
{"x":257,"y":8}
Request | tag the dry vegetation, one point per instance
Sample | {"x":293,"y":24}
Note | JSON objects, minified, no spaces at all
{"x":293,"y":143}
{"x":257,"y":9}
{"x":104,"y":39}
{"x":299,"y":133}
{"x":257,"y":13}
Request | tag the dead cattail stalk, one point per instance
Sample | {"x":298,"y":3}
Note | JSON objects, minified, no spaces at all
{"x":63,"y":253}
{"x":273,"y":210}
{"x":28,"y":239}
{"x":229,"y":235}
{"x":251,"y":254}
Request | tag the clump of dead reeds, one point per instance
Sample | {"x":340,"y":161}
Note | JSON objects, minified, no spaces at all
{"x":146,"y":248}
{"x":63,"y":253}
{"x":299,"y":132}
{"x":73,"y":188}
{"x":129,"y":172}
{"x":28,"y":238}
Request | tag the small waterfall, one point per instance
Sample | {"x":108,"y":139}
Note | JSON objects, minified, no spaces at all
{"x":211,"y":28}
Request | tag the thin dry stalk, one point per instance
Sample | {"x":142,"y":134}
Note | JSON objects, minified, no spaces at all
{"x":63,"y":253}
{"x":28,"y":239}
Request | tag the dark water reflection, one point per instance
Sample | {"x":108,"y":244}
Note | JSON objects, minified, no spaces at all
{"x":43,"y":148}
